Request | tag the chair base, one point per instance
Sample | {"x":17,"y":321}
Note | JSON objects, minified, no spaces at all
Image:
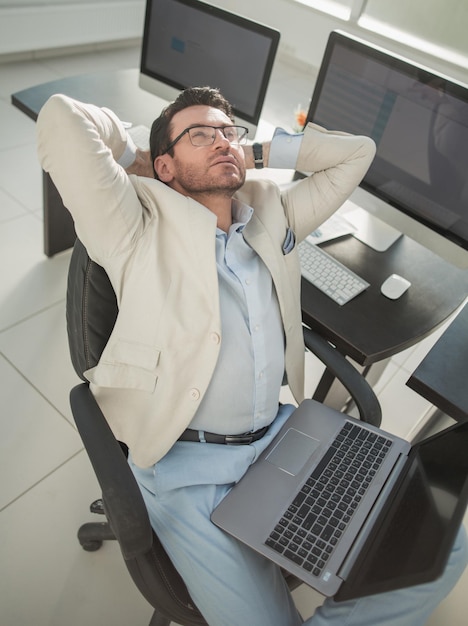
{"x":159,"y":620}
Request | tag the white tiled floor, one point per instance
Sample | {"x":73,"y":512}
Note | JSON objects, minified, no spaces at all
{"x":47,"y":483}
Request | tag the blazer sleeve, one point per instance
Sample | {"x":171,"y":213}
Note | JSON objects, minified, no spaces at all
{"x":79,"y":145}
{"x":336,"y":163}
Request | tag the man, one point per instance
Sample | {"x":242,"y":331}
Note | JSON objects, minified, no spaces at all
{"x":207,"y":278}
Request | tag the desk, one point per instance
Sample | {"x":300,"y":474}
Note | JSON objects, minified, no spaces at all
{"x":441,"y":377}
{"x":117,"y":90}
{"x":370,"y":328}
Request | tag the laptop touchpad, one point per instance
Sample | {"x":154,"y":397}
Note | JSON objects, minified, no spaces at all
{"x":292,"y":451}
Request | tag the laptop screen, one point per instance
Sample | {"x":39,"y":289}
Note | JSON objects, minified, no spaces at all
{"x":420,"y":522}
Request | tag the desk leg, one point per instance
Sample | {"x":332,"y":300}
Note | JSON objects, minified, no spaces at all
{"x":331,"y":392}
{"x":59,"y":231}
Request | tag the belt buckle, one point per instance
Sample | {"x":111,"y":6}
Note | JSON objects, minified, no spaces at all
{"x":238,"y":440}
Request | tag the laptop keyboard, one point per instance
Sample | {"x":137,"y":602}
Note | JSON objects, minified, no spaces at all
{"x":311,"y":527}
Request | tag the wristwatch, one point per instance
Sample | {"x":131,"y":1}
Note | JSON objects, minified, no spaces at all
{"x":258,"y":155}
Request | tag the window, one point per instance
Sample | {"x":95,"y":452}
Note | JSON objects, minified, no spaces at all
{"x":337,"y":8}
{"x":438,"y":26}
{"x":434,"y":27}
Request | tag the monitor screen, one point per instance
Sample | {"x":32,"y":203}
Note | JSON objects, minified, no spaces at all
{"x":419,"y":121}
{"x":187,"y":43}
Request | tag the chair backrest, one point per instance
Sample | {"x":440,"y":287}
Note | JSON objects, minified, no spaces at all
{"x":91,"y":311}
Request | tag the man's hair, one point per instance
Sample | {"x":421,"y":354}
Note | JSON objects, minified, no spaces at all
{"x":193,"y":96}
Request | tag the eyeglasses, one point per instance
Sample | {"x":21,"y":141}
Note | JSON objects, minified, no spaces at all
{"x":206,"y":135}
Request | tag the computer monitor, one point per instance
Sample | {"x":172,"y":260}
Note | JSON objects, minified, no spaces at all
{"x":418,"y":181}
{"x":187,"y":43}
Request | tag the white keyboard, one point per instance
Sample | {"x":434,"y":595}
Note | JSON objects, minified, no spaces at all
{"x":329,"y":275}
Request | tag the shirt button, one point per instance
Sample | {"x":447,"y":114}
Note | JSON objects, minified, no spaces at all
{"x":215,"y":338}
{"x":247,"y":281}
{"x":194,"y":394}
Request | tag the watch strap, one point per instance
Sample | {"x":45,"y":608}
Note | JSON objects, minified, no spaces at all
{"x":258,"y":155}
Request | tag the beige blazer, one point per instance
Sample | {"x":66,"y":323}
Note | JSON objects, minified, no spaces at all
{"x":158,"y":248}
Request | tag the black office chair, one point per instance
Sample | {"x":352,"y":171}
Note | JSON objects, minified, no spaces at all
{"x":91,"y":314}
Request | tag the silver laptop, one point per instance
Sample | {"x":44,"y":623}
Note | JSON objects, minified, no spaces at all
{"x":349,"y":508}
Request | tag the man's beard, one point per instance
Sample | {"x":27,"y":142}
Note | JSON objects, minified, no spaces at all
{"x":210,"y":183}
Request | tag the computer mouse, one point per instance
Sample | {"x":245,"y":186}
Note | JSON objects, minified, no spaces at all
{"x":394,"y":286}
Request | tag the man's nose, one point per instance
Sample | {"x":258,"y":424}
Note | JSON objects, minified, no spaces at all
{"x":221,"y":138}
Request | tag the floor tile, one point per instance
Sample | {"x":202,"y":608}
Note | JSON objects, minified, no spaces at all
{"x":98,"y":61}
{"x":22,"y":75}
{"x":48,"y":579}
{"x":403,"y":411}
{"x":9,"y":208}
{"x":30,"y":281}
{"x":21,"y":175}
{"x":16,"y":128}
{"x":307,"y":600}
{"x":35,"y":440}
{"x":38,"y":348}
{"x":289,"y":90}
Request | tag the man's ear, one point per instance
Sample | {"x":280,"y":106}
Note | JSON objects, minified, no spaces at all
{"x":163,"y":168}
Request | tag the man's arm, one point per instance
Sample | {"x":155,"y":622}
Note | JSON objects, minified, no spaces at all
{"x":80,"y":146}
{"x":335,"y":163}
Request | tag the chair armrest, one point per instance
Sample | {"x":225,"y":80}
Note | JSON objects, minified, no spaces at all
{"x":361,"y":392}
{"x":124,"y":505}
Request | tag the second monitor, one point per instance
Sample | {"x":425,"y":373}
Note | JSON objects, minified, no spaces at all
{"x":187,"y":43}
{"x":417,"y":182}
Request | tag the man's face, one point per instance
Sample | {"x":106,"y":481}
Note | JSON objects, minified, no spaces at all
{"x":218,"y":168}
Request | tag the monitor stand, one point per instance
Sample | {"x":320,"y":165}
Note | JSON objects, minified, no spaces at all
{"x":370,"y":229}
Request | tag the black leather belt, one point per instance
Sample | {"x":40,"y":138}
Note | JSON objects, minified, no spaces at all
{"x":230,"y":440}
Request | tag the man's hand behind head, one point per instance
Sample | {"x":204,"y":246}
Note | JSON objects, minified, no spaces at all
{"x":142,"y":165}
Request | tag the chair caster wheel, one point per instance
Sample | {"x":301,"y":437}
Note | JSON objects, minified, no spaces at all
{"x":91,"y":546}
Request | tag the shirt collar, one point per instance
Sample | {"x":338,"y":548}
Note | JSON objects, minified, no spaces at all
{"x":241,"y":216}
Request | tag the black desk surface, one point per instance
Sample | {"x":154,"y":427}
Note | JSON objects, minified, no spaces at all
{"x":370,"y":328}
{"x":117,"y":90}
{"x":441,"y":377}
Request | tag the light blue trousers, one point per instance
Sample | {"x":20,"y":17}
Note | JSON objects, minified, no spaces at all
{"x":231,"y":584}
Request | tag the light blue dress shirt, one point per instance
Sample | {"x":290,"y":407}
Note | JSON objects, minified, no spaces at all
{"x":244,"y":391}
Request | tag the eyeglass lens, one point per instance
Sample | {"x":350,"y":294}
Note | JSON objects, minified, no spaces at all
{"x":206,"y":135}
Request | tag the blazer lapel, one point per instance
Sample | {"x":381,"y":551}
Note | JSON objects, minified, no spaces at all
{"x":257,"y":236}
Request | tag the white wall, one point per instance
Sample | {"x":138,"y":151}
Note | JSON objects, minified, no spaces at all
{"x":35,"y":25}
{"x":31,"y":26}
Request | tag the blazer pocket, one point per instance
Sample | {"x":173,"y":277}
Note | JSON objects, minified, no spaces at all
{"x":126,"y":365}
{"x":133,"y":353}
